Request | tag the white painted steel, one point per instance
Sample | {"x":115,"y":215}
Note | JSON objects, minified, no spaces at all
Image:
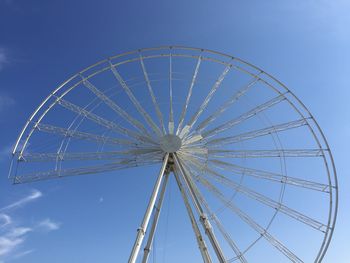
{"x":143,"y":227}
{"x":157,"y":208}
{"x":201,"y":143}
{"x":201,"y":242}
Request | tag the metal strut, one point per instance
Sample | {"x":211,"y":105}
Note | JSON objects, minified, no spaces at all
{"x":142,"y":229}
{"x":201,"y":242}
{"x":157,"y":209}
{"x":203,"y":217}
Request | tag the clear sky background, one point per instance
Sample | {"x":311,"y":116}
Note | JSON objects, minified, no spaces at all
{"x":305,"y":44}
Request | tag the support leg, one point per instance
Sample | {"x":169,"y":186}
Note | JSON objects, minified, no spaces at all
{"x":157,"y":209}
{"x":203,"y":217}
{"x":142,"y":229}
{"x":201,"y":243}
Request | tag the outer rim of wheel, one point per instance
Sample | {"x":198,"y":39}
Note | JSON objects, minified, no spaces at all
{"x":331,"y":169}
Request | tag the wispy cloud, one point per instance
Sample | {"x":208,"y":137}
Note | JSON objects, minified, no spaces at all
{"x":13,"y":235}
{"x":49,"y":225}
{"x":22,"y":254}
{"x":35,"y":194}
{"x":5,"y":220}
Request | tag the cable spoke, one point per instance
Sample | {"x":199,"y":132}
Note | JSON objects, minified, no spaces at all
{"x":46,"y":157}
{"x":221,"y":228}
{"x":261,"y":198}
{"x":257,"y":133}
{"x":200,"y":241}
{"x":193,"y":190}
{"x":171,"y":112}
{"x":192,"y":139}
{"x":120,"y":164}
{"x":198,"y":149}
{"x":266,"y":153}
{"x":243,"y":117}
{"x":231,"y":243}
{"x":189,"y":94}
{"x":83,"y":135}
{"x":226,"y":105}
{"x":249,"y":221}
{"x":135,"y":101}
{"x":103,"y":122}
{"x":153,"y":97}
{"x":270,"y":176}
{"x":205,"y":103}
{"x":138,"y":125}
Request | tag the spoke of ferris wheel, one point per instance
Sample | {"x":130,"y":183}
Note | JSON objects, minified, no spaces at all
{"x":103,"y":122}
{"x":135,"y":101}
{"x":231,"y":243}
{"x":221,"y":228}
{"x":153,"y":97}
{"x":261,"y":198}
{"x":270,"y":176}
{"x":201,"y":242}
{"x":265,"y":153}
{"x":189,"y":94}
{"x":249,"y":221}
{"x":257,"y":133}
{"x":120,"y":164}
{"x":171,"y":113}
{"x":243,"y":117}
{"x":204,"y":153}
{"x":144,"y":224}
{"x":62,"y":156}
{"x":138,"y":125}
{"x":84,"y":135}
{"x":205,"y":103}
{"x":226,"y":105}
{"x":157,"y":208}
{"x":203,"y":217}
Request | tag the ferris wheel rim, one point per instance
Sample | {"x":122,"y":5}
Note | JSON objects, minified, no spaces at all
{"x":330,"y":170}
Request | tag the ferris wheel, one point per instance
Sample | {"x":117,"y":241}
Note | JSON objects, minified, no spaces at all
{"x":254,"y":170}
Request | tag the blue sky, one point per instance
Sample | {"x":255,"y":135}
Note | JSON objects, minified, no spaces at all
{"x":302,"y":43}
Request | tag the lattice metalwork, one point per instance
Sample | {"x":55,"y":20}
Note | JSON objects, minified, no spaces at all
{"x":253,"y":167}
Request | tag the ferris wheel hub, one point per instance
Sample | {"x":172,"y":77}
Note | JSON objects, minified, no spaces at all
{"x":170,"y":143}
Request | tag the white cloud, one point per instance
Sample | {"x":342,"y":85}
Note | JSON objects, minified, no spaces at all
{"x":8,"y":244}
{"x":13,"y":235}
{"x":5,"y":220}
{"x":19,"y":231}
{"x":49,"y":225}
{"x":35,"y":194}
{"x":22,"y":254}
{"x":12,"y":238}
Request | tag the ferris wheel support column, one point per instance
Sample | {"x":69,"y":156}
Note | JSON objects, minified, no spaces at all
{"x":203,"y":217}
{"x":142,"y":229}
{"x":157,"y":209}
{"x":201,"y":242}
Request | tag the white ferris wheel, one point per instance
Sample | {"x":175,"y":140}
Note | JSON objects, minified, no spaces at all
{"x":252,"y":165}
